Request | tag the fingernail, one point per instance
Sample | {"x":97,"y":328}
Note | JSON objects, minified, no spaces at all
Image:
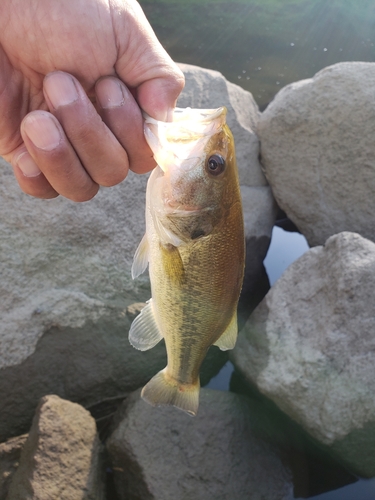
{"x":110,"y":93}
{"x":27,"y":165}
{"x":60,"y":89}
{"x":42,"y":131}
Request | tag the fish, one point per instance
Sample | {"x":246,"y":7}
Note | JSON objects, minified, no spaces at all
{"x":194,"y":246}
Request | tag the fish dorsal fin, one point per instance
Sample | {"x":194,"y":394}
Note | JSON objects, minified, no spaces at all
{"x":140,"y":260}
{"x":144,"y":333}
{"x":228,"y":338}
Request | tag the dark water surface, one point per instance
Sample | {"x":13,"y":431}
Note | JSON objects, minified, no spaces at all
{"x":262,"y":45}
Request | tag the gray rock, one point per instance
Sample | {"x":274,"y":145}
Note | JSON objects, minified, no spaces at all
{"x":64,"y":291}
{"x":66,"y":288}
{"x":318,"y":151}
{"x":61,"y":458}
{"x":310,"y":347}
{"x":86,"y":364}
{"x":162,"y":453}
{"x":10,"y":453}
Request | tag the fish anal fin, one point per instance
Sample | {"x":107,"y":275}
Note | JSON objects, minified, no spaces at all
{"x":144,"y":333}
{"x":228,"y":339}
{"x":162,"y":390}
{"x":140,"y":260}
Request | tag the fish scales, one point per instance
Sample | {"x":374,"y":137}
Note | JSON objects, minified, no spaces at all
{"x":203,"y":302}
{"x":194,"y":244}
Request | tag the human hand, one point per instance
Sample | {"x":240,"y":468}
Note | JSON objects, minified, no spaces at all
{"x":66,"y":134}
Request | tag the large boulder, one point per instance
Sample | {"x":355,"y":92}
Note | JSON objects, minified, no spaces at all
{"x":66,"y":288}
{"x":62,"y":456}
{"x":10,"y":453}
{"x":310,"y":347}
{"x":318,"y":151}
{"x":89,"y":363}
{"x":164,"y":454}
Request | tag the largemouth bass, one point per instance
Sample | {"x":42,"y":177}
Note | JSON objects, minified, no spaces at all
{"x":194,"y":246}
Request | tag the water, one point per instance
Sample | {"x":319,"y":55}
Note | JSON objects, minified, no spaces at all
{"x":262,"y":45}
{"x":362,"y":490}
{"x":285,"y":248}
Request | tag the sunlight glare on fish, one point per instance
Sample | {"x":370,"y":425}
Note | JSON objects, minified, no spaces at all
{"x":182,"y":141}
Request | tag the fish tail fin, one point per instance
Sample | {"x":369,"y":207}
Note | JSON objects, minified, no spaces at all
{"x":164,"y":390}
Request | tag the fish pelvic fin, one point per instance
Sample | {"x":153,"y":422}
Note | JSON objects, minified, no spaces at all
{"x":228,"y":339}
{"x":140,"y":261}
{"x":164,"y":390}
{"x":144,"y":333}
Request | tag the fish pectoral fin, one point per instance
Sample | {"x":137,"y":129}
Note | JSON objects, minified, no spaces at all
{"x":144,"y":333}
{"x":166,"y":236}
{"x":140,"y":261}
{"x":228,"y":338}
{"x":163,"y":390}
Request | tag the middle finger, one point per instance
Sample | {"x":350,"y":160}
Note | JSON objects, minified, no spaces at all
{"x":100,"y":153}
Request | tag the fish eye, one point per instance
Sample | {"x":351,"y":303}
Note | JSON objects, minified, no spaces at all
{"x":215,"y":164}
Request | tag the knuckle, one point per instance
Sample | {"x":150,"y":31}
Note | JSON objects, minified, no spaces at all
{"x":43,"y":193}
{"x":84,"y":194}
{"x":176,"y":82}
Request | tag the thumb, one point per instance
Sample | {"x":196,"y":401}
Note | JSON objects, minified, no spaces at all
{"x":145,"y":66}
{"x":158,"y":96}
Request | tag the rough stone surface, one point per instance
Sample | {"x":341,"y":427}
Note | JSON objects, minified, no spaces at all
{"x":162,"y":453}
{"x":318,"y":151}
{"x":310,"y":347}
{"x":66,"y":288}
{"x":61,"y":458}
{"x":85,"y":364}
{"x":10,"y":453}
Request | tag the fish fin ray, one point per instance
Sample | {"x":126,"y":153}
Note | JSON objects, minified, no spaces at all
{"x":144,"y":333}
{"x":140,"y":261}
{"x":166,"y":236}
{"x":228,"y":339}
{"x":161,"y":390}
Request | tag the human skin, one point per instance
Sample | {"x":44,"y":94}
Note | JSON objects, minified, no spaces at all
{"x":74,"y":76}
